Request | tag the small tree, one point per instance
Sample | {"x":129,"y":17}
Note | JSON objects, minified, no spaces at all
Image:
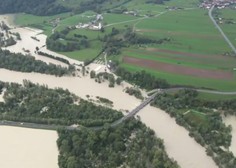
{"x":118,"y":81}
{"x":92,"y":74}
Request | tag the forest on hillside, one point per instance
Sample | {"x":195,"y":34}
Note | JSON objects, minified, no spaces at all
{"x":52,"y":7}
{"x":35,"y":7}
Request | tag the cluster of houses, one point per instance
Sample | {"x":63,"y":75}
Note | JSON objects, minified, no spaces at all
{"x":220,"y":4}
{"x":92,"y":25}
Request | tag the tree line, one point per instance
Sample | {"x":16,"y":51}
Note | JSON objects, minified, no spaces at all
{"x":54,"y":57}
{"x":142,"y":79}
{"x":156,"y":1}
{"x":19,"y":62}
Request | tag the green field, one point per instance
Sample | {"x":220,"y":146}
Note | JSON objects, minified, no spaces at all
{"x":209,"y":62}
{"x":176,"y":79}
{"x":189,"y":30}
{"x":192,"y":33}
{"x":40,"y":22}
{"x":194,"y":40}
{"x":229,"y":29}
{"x":215,"y":97}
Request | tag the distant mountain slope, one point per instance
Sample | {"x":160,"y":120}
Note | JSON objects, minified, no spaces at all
{"x":36,"y":7}
{"x":52,"y":7}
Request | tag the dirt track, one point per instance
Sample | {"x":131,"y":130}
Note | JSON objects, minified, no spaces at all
{"x":177,"y":69}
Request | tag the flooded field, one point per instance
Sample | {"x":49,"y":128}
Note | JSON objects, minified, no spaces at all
{"x":28,"y":148}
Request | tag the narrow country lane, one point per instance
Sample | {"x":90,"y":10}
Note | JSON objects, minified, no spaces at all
{"x":220,"y":30}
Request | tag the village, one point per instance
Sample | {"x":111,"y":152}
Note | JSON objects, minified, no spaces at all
{"x":92,"y":25}
{"x":220,"y":4}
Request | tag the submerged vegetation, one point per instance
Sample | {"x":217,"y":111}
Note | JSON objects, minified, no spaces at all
{"x":39,"y":104}
{"x":19,"y":62}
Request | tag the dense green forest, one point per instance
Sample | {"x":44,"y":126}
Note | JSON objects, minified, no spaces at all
{"x":131,"y":144}
{"x":203,"y":123}
{"x":39,"y":104}
{"x":35,"y":7}
{"x":19,"y":62}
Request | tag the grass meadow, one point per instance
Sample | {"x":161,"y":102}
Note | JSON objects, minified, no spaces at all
{"x":194,"y":40}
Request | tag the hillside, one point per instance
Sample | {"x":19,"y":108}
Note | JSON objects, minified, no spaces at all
{"x":36,"y":7}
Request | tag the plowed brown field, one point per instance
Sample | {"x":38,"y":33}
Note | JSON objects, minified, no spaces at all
{"x":177,"y":69}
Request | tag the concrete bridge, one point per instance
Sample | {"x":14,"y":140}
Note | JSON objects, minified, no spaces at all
{"x":136,"y":110}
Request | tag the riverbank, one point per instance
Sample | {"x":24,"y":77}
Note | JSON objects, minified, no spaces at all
{"x":81,"y":86}
{"x":1,"y":96}
{"x":30,"y":39}
{"x":179,"y":145}
{"x":176,"y":139}
{"x":28,"y":148}
{"x":231,"y":120}
{"x":8,"y":18}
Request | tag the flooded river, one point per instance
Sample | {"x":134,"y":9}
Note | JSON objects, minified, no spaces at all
{"x":178,"y":144}
{"x":28,"y":148}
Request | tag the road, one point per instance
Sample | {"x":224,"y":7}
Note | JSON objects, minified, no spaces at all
{"x":36,"y":126}
{"x":220,"y":30}
{"x":201,"y":90}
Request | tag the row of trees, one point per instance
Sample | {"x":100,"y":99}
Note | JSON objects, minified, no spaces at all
{"x":156,"y":1}
{"x":39,"y":104}
{"x":142,"y":79}
{"x":204,"y":124}
{"x":131,"y":144}
{"x":54,"y":57}
{"x":19,"y":62}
